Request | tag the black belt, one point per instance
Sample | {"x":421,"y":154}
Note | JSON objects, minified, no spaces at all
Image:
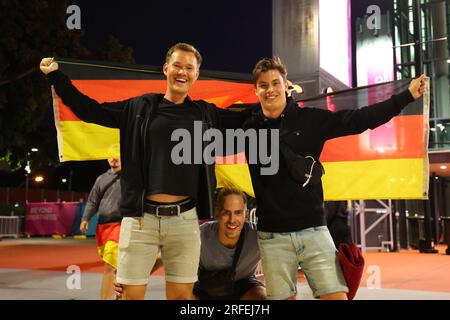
{"x":169,"y":209}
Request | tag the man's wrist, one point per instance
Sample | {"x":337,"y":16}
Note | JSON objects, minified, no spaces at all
{"x":404,"y":98}
{"x":53,"y":76}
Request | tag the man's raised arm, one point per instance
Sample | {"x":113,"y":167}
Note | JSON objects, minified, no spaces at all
{"x":89,"y":110}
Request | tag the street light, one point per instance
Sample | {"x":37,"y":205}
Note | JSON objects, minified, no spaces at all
{"x":39,"y":179}
{"x":28,"y":171}
{"x":58,"y":195}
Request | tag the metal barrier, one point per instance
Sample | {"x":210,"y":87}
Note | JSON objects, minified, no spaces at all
{"x":9,"y":226}
{"x":252,"y":216}
{"x":385,"y":209}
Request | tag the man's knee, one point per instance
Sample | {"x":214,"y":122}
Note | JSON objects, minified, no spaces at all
{"x":134,"y":292}
{"x":179,"y":291}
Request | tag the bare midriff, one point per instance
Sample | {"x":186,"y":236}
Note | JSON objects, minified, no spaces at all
{"x":166,"y":198}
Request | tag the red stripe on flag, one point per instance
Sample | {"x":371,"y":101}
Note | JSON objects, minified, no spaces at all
{"x":222,"y":93}
{"x":401,"y":138}
{"x":107,"y":232}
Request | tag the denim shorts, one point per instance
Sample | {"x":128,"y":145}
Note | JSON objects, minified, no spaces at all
{"x":313,"y":250}
{"x":178,"y":239}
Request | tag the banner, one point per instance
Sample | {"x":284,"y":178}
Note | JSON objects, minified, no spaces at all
{"x":49,"y":218}
{"x":389,"y":162}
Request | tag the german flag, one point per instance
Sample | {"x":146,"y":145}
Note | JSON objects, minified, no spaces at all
{"x":389,"y":162}
{"x":107,"y":237}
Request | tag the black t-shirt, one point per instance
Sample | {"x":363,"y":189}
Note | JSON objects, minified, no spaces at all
{"x":164,"y":175}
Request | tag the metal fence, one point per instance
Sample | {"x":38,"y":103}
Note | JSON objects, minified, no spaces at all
{"x":9,"y":227}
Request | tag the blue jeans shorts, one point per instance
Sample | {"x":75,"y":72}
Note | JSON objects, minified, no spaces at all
{"x":313,"y":250}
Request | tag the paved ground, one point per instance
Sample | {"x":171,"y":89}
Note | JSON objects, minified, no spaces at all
{"x":44,"y":276}
{"x":18,"y":284}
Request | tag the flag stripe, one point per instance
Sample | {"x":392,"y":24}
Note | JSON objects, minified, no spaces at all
{"x":236,"y":175}
{"x":87,"y":141}
{"x":400,"y":138}
{"x":221,"y":93}
{"x":375,"y":179}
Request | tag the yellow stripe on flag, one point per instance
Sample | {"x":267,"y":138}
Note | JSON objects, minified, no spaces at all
{"x":236,"y":175}
{"x":109,"y":253}
{"x":87,"y":141}
{"x":375,"y":179}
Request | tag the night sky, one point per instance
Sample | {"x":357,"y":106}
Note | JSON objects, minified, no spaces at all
{"x":231,"y":35}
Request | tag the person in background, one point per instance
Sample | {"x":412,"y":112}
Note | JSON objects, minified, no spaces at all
{"x":337,"y":215}
{"x":104,"y":198}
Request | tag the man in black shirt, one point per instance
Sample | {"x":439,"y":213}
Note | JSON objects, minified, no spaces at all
{"x":291,"y":223}
{"x":169,"y":194}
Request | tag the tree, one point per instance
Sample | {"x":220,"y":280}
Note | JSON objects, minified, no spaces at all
{"x":30,"y":31}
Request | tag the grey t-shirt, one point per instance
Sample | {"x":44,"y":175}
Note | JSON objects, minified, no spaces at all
{"x":104,"y":198}
{"x":215,"y":256}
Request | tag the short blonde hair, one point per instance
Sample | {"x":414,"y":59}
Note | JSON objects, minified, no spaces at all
{"x":184,"y":47}
{"x":227,"y":191}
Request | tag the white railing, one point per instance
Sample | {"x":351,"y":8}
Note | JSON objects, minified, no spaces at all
{"x":362,"y":210}
{"x":9,"y":227}
{"x":252,"y":216}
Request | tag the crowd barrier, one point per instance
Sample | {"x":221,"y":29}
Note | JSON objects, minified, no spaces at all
{"x":9,"y":226}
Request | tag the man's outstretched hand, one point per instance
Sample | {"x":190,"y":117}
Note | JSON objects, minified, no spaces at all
{"x":418,"y":86}
{"x":48,"y":65}
{"x":293,"y":88}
